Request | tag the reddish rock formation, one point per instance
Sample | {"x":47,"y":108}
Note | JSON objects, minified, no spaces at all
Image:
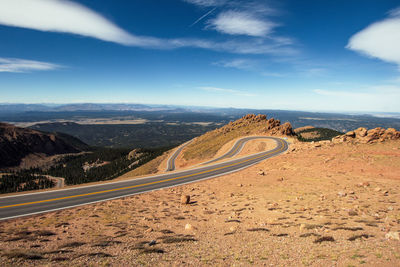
{"x":362,"y":135}
{"x":268,"y":126}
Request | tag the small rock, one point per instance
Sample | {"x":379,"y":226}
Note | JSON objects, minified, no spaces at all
{"x":261,"y":172}
{"x":302,"y":226}
{"x":188,"y":226}
{"x":280,"y":179}
{"x":386,"y":193}
{"x":185,"y":199}
{"x":342,"y":194}
{"x":365,"y":184}
{"x":152,"y":242}
{"x":352,"y":212}
{"x":240,"y":185}
{"x":149,"y":230}
{"x":390,"y":208}
{"x":393,"y":236}
{"x":377,"y":189}
{"x":351,"y":192}
{"x":232,"y":228}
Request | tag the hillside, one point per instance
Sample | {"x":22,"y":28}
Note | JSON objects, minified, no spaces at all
{"x":321,"y":204}
{"x":207,"y":145}
{"x":17,"y":143}
{"x":307,"y":134}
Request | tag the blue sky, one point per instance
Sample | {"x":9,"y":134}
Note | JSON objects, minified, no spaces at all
{"x":315,"y":55}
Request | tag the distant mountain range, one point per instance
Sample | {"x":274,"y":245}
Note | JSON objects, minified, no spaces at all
{"x":20,"y":108}
{"x":79,"y":107}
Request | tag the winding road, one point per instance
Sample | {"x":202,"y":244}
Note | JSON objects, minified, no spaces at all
{"x":40,"y":202}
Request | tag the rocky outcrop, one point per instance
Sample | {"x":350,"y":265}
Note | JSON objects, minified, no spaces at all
{"x":17,"y":143}
{"x":362,"y":135}
{"x":268,"y":126}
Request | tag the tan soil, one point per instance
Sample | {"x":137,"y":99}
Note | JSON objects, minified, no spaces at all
{"x":241,"y":219}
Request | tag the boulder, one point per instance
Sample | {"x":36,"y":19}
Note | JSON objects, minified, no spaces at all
{"x":185,"y":199}
{"x":351,"y":134}
{"x":361,"y":132}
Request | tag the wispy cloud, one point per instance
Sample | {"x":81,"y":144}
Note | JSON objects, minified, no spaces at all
{"x":66,"y":16}
{"x":207,"y":3}
{"x":23,"y":65}
{"x":238,"y":63}
{"x":224,"y":90}
{"x":69,"y":17}
{"x":380,"y":40}
{"x":241,"y":23}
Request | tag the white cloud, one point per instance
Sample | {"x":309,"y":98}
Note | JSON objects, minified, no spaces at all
{"x":236,"y":63}
{"x":395,"y":12}
{"x":380,"y":40}
{"x":66,"y":16}
{"x":224,"y":90}
{"x":69,"y":17}
{"x":206,"y":2}
{"x":241,"y":23}
{"x":23,"y":65}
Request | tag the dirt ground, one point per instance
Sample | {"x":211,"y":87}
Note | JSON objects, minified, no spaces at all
{"x":313,"y":206}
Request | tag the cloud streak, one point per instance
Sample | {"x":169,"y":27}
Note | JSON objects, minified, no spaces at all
{"x":206,"y":3}
{"x":380,"y":40}
{"x":22,"y":65}
{"x":202,"y":17}
{"x":69,"y":17}
{"x":241,"y":23}
{"x":238,"y":63}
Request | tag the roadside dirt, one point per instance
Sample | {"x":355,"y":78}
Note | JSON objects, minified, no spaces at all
{"x":318,"y":205}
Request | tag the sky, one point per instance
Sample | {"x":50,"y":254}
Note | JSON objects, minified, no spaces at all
{"x":339,"y":56}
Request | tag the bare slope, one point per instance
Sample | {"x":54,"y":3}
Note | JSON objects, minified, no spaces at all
{"x":207,"y":145}
{"x":17,"y":143}
{"x":333,"y":205}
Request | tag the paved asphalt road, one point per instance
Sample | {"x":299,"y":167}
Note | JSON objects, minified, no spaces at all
{"x":172,"y":158}
{"x":236,"y":148}
{"x":34,"y":203}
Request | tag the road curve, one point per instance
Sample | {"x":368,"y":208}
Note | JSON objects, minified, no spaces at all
{"x":236,"y":148}
{"x":35,"y":203}
{"x":172,"y":158}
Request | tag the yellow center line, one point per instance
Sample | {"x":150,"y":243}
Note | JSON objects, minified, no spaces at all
{"x":139,"y":185}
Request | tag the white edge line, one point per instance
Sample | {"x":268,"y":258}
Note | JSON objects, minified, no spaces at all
{"x":170,"y":157}
{"x":146,"y":191}
{"x":253,"y":138}
{"x":122,"y":181}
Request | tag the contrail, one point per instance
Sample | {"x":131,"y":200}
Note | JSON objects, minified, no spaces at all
{"x":202,"y":17}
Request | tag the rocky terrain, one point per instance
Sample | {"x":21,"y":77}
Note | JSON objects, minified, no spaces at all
{"x":206,"y":146}
{"x":362,"y":135}
{"x":17,"y":144}
{"x":325,"y":203}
